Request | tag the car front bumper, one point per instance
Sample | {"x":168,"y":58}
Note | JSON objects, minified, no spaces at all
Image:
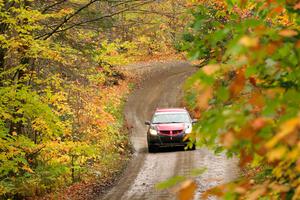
{"x":167,"y":141}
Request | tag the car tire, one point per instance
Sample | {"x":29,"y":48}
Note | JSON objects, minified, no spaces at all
{"x":152,"y":149}
{"x":193,"y":147}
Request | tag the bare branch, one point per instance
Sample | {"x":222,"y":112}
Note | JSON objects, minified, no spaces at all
{"x":58,"y":30}
{"x":66,"y":19}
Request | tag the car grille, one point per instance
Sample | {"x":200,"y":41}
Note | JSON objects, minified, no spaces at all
{"x":174,"y":132}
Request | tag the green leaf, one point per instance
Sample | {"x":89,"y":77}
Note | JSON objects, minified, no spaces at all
{"x":198,"y":172}
{"x":170,"y":182}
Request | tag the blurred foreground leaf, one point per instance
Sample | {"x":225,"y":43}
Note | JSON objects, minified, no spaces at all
{"x":187,"y":190}
{"x":170,"y":182}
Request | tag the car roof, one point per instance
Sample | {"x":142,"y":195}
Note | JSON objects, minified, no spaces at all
{"x":162,"y":110}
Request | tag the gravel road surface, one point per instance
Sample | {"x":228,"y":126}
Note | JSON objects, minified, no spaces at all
{"x":162,"y":87}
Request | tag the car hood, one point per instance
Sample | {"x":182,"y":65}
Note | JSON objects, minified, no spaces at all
{"x":170,"y":127}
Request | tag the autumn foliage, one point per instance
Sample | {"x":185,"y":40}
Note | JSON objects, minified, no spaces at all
{"x":247,"y":94}
{"x":61,"y":92}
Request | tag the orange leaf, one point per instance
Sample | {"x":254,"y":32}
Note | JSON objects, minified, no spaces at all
{"x":227,"y":139}
{"x":298,"y":44}
{"x":258,"y":123}
{"x":197,"y":113}
{"x":247,"y":132}
{"x":297,"y":6}
{"x":278,"y":9}
{"x":240,"y":190}
{"x":261,"y":151}
{"x":244,"y":2}
{"x":291,"y":139}
{"x":246,"y":158}
{"x":187,"y":190}
{"x":238,"y":83}
{"x":288,"y":33}
{"x":203,"y":99}
{"x":216,"y":191}
{"x":298,"y":165}
{"x":210,"y":69}
{"x":260,"y":29}
{"x":272,"y":47}
{"x":257,"y":100}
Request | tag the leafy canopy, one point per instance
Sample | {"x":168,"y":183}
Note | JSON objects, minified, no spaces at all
{"x":247,"y":94}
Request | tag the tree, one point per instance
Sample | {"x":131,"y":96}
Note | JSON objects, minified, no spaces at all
{"x":249,"y":92}
{"x":59,"y":90}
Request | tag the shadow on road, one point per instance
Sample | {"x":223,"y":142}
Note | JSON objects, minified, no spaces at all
{"x":166,"y":150}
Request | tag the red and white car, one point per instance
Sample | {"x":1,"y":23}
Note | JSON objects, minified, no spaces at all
{"x":169,"y":127}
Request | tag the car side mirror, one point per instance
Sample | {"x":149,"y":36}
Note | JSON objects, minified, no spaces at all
{"x":147,"y":122}
{"x":194,"y":121}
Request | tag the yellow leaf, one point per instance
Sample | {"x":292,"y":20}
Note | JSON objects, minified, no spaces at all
{"x":297,"y":193}
{"x":285,"y":129}
{"x":276,"y":154}
{"x":249,"y":41}
{"x":28,"y":169}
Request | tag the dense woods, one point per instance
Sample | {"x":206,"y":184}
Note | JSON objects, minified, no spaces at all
{"x":61,"y":93}
{"x":247,"y":94}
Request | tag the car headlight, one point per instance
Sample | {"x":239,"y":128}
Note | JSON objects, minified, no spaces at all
{"x":153,"y":131}
{"x":188,"y":128}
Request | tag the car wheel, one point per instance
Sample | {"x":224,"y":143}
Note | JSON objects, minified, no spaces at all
{"x":193,"y":147}
{"x":152,"y":149}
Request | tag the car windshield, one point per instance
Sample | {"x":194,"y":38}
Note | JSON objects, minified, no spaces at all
{"x":164,"y":118}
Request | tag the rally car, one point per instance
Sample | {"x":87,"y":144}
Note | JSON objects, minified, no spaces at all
{"x":170,"y":127}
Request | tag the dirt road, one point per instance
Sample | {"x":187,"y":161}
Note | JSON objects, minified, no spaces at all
{"x":163,"y":88}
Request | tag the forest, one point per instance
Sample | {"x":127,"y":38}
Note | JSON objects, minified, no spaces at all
{"x":62,"y":90}
{"x":61,"y":94}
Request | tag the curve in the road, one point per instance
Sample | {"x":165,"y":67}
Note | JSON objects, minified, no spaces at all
{"x":163,"y":88}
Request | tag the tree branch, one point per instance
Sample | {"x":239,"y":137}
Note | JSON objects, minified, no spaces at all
{"x":58,"y":30}
{"x":66,"y":19}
